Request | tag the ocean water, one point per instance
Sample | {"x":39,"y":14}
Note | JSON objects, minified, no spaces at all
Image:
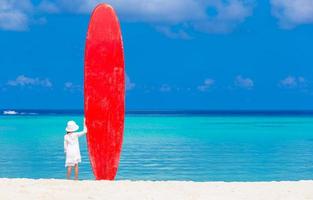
{"x":169,"y":147}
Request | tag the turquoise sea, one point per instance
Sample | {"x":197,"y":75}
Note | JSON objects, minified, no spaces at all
{"x":169,"y":147}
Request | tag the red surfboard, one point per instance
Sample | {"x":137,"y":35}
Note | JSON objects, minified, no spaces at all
{"x":104,"y":88}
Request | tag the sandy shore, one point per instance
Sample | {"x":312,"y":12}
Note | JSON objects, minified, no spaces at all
{"x":48,"y":189}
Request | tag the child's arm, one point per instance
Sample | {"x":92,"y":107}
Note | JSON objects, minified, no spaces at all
{"x":82,"y":132}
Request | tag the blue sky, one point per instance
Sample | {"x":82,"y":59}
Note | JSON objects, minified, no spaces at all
{"x":180,"y":54}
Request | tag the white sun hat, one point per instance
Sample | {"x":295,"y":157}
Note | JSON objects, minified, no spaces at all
{"x":71,"y":126}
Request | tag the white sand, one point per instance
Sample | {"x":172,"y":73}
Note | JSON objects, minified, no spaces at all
{"x":48,"y":189}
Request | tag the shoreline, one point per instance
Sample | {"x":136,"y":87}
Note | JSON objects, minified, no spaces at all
{"x":48,"y":189}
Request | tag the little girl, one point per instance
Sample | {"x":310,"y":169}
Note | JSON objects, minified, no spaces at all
{"x":71,"y":147}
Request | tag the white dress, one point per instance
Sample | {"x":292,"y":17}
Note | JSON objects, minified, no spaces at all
{"x":71,"y":148}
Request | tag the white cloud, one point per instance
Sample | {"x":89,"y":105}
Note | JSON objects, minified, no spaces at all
{"x":291,"y":13}
{"x":165,"y":88}
{"x":142,"y":10}
{"x":129,"y":85}
{"x":28,"y":81}
{"x":14,"y":14}
{"x":208,"y":83}
{"x":163,"y":14}
{"x":191,"y":14}
{"x":48,"y":6}
{"x":228,"y":14}
{"x":292,"y":82}
{"x":70,"y":86}
{"x":246,"y":83}
{"x":174,"y":34}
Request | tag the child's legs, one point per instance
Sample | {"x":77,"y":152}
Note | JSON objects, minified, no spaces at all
{"x":69,"y":172}
{"x":76,"y":171}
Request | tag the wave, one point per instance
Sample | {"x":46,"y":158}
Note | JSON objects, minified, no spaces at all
{"x":13,"y":112}
{"x":10,"y":112}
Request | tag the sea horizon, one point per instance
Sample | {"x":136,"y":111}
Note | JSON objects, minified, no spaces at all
{"x":204,"y":112}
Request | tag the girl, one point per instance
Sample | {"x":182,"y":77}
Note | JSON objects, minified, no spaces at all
{"x":71,"y":147}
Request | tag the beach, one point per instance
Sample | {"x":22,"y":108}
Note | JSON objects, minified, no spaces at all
{"x":49,"y":189}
